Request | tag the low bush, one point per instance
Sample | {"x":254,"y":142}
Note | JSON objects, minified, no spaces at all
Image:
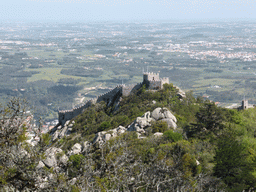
{"x":172,"y":136}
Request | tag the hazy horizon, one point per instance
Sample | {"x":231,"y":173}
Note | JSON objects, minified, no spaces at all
{"x":125,"y":10}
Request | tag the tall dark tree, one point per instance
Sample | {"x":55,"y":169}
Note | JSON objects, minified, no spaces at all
{"x":233,"y":163}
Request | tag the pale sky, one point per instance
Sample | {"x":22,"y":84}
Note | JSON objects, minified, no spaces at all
{"x":125,"y":10}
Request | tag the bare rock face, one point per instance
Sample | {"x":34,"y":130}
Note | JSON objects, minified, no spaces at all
{"x":107,"y":137}
{"x":50,"y":154}
{"x":170,"y":123}
{"x":104,"y":136}
{"x":72,"y":181}
{"x":140,"y":123}
{"x":120,"y":130}
{"x":55,"y":135}
{"x":86,"y":146}
{"x":163,"y":114}
{"x":181,"y":94}
{"x":99,"y":137}
{"x":158,"y":134}
{"x":64,"y":159}
{"x":59,"y":127}
{"x":40,"y":165}
{"x":63,"y":132}
{"x":76,"y":149}
{"x":67,"y":122}
{"x":158,"y":114}
{"x":169,"y":115}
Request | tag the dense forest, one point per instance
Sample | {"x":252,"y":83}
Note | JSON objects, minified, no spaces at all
{"x":212,"y":148}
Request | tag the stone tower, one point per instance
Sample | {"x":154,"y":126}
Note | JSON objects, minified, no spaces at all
{"x":153,"y":81}
{"x":245,"y":104}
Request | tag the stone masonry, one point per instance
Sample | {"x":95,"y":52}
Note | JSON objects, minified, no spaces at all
{"x":151,"y":80}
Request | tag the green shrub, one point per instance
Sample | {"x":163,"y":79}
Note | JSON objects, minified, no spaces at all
{"x":159,"y":126}
{"x":76,"y":160}
{"x":104,"y":126}
{"x":172,"y":136}
{"x":75,"y":188}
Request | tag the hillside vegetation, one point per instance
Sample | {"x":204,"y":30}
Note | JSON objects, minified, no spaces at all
{"x":212,"y":149}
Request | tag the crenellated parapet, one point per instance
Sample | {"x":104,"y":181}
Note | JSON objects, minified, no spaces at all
{"x":66,"y":115}
{"x":151,"y":80}
{"x":150,"y":76}
{"x":108,"y":97}
{"x":127,"y":90}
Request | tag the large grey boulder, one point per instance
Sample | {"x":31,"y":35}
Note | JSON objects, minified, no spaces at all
{"x":163,"y":114}
{"x":158,"y":114}
{"x":99,"y":137}
{"x":67,"y":122}
{"x":140,"y":123}
{"x":181,"y":94}
{"x":104,"y":136}
{"x":55,"y":135}
{"x":59,"y":127}
{"x":50,"y":154}
{"x":63,"y":132}
{"x":64,"y":159}
{"x":170,"y":123}
{"x":120,"y":130}
{"x":169,"y":115}
{"x":72,"y":181}
{"x":86,"y":146}
{"x":71,"y":124}
{"x":158,"y":134}
{"x":40,"y":165}
{"x":76,"y":149}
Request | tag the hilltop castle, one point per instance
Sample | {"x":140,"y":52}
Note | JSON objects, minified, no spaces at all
{"x":151,"y":80}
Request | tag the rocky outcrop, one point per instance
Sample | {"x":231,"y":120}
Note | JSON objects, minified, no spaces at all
{"x":50,"y":154}
{"x":181,"y":94}
{"x":85,"y":146}
{"x":163,"y":114}
{"x":140,"y":123}
{"x":64,"y":159}
{"x":40,"y":165}
{"x":76,"y":149}
{"x":158,"y":134}
{"x":103,"y":136}
{"x":61,"y":131}
{"x":51,"y":160}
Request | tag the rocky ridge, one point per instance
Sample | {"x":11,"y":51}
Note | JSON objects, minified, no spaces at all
{"x":139,"y":125}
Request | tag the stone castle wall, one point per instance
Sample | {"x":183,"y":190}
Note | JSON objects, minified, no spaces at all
{"x":151,"y":77}
{"x":70,"y":114}
{"x":151,"y":80}
{"x":164,"y":81}
{"x":108,"y":97}
{"x":127,"y":90}
{"x":155,"y":85}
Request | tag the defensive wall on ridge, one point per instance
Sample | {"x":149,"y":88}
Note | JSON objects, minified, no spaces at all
{"x":151,"y":80}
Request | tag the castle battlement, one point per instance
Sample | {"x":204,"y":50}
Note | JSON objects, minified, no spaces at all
{"x":150,"y":76}
{"x":151,"y":80}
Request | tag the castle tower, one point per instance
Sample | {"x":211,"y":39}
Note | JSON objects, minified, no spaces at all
{"x":150,"y":77}
{"x":245,"y":104}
